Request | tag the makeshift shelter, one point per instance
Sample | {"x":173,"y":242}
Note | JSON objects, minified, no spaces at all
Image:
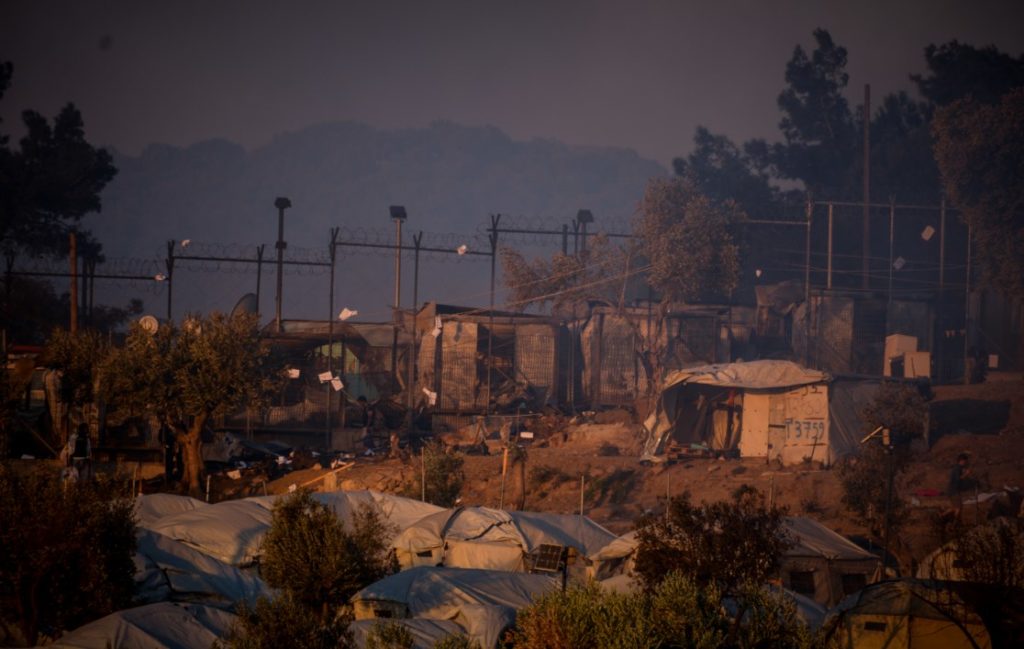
{"x":483,"y":603}
{"x":166,"y":569}
{"x":480,"y":537}
{"x":772,"y":409}
{"x":150,"y":508}
{"x":820,"y":564}
{"x":231,"y":531}
{"x":462,"y":350}
{"x":904,"y":614}
{"x":155,"y":626}
{"x":824,"y":565}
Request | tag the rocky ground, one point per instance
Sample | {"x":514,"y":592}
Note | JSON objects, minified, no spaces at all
{"x":600,"y":457}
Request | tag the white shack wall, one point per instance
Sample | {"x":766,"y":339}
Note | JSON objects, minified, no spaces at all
{"x":790,"y":426}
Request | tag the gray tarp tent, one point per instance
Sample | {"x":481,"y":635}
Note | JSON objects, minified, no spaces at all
{"x":483,"y":603}
{"x":820,"y":564}
{"x":150,"y":508}
{"x":231,"y":531}
{"x":166,"y":569}
{"x":481,"y":537}
{"x":154,"y":626}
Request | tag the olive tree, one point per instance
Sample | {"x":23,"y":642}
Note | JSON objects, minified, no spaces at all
{"x":189,"y":375}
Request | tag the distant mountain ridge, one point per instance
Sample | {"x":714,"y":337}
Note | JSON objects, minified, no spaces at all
{"x":449,"y":178}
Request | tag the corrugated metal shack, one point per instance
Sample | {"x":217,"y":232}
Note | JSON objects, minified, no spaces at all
{"x":357,"y":353}
{"x":611,"y":373}
{"x":452,"y":358}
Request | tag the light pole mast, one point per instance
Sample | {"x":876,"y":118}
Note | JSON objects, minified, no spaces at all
{"x":281,"y":203}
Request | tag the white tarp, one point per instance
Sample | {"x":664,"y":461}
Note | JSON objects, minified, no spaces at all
{"x":231,"y":531}
{"x":154,"y":626}
{"x":150,"y":508}
{"x":481,"y":537}
{"x":482,"y":602}
{"x":829,"y":557}
{"x":166,"y":569}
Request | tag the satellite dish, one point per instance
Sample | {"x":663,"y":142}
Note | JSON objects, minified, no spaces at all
{"x":245,"y":304}
{"x":149,"y":324}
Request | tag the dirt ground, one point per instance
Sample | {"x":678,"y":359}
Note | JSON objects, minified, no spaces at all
{"x":985,"y":420}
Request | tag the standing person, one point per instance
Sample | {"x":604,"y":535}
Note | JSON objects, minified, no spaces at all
{"x":80,"y":452}
{"x":369,"y":412}
{"x":959,"y":481}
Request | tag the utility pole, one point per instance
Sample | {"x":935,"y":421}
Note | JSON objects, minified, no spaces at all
{"x":73,"y":262}
{"x":807,"y":284}
{"x":417,"y":240}
{"x":493,"y":238}
{"x":169,"y":263}
{"x":967,"y":309}
{"x":281,"y":203}
{"x":333,"y":252}
{"x":398,"y":215}
{"x":865,"y":259}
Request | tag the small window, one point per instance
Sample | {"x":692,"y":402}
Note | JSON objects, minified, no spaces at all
{"x":425,"y":554}
{"x":854,"y":582}
{"x":382,"y":613}
{"x":874,"y":626}
{"x":802,"y":582}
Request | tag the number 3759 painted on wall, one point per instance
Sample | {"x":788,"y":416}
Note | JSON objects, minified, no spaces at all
{"x":799,"y":428}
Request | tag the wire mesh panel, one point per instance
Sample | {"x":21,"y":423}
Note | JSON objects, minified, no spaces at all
{"x":459,"y":385}
{"x":535,"y":358}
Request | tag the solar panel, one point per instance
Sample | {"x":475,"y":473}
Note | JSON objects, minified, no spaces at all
{"x":548,"y":558}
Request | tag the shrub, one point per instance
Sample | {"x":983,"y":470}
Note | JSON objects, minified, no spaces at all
{"x":309,"y":553}
{"x":677,"y":612}
{"x":866,"y":490}
{"x":67,"y":549}
{"x":442,"y":468}
{"x":284,"y":622}
{"x":457,"y":641}
{"x":993,"y":554}
{"x":389,"y":635}
{"x":721,"y":543}
{"x":542,"y":475}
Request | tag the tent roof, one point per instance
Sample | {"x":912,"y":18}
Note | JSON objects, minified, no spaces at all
{"x":811,"y":538}
{"x":150,"y":508}
{"x":483,"y":602}
{"x":526,"y":529}
{"x":231,"y":531}
{"x":901,"y":597}
{"x":433,"y":592}
{"x":753,"y":375}
{"x":169,"y":569}
{"x":155,"y":626}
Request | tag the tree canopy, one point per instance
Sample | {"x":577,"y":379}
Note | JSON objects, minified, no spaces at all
{"x":689,"y":241}
{"x":209,"y":367}
{"x":726,"y":544}
{"x":980,"y":152}
{"x":50,"y":181}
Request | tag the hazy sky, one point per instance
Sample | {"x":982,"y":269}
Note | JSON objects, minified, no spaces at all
{"x":633,"y":74}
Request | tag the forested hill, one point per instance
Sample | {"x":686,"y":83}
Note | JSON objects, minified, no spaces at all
{"x":449,"y":178}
